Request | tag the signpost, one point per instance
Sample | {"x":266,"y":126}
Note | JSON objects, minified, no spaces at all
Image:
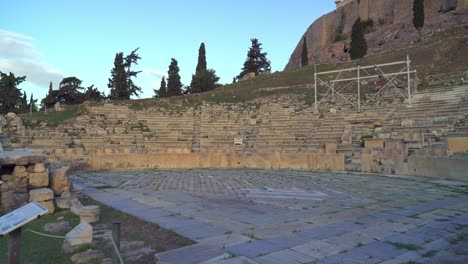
{"x":13,"y":221}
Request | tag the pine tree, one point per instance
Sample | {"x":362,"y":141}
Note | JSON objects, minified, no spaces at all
{"x":32,"y":104}
{"x":121,"y":84}
{"x":24,"y":104}
{"x":10,"y":98}
{"x":304,"y":56}
{"x":174,"y":86}
{"x":256,"y":61}
{"x":51,"y":98}
{"x":418,"y":14}
{"x":201,"y":65}
{"x":162,"y":92}
{"x":70,"y":91}
{"x":358,"y":45}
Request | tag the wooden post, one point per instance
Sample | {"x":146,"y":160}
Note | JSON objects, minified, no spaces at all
{"x":14,"y":247}
{"x":116,"y":237}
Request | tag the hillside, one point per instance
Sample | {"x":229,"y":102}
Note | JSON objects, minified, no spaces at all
{"x":389,"y":26}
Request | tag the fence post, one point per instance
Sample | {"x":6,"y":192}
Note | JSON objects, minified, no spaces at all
{"x":14,"y":247}
{"x":359,"y":87}
{"x":315,"y":84}
{"x":116,"y":237}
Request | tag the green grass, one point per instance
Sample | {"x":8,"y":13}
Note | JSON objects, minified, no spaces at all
{"x":52,"y":118}
{"x":39,"y":249}
{"x":409,"y":247}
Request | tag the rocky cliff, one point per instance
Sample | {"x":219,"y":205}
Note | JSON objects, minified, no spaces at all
{"x":392,"y":27}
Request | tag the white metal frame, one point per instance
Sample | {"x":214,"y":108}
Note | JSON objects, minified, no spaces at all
{"x":388,"y":77}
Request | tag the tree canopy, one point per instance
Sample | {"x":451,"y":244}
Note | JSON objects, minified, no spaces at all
{"x":204,"y":79}
{"x":162,"y":92}
{"x":174,"y":85}
{"x":201,"y":65}
{"x":418,"y":14}
{"x":121,"y":84}
{"x":358,"y":45}
{"x":11,"y":97}
{"x":256,"y":60}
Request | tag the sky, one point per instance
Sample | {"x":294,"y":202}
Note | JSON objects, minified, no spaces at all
{"x":49,"y":40}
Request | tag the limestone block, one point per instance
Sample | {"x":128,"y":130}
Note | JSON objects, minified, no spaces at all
{"x":238,"y":141}
{"x":20,"y":174}
{"x":374,"y":143}
{"x":407,"y":123}
{"x":49,"y":205}
{"x":39,"y":179}
{"x":19,"y":169}
{"x":39,"y":167}
{"x":60,"y":181}
{"x":65,"y":201}
{"x":330,"y":148}
{"x":333,"y":110}
{"x":42,"y":194}
{"x":90,"y":214}
{"x":457,"y":144}
{"x":347,"y":137}
{"x":80,"y":235}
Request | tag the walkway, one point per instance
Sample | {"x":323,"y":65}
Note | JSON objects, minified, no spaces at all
{"x":258,"y":216}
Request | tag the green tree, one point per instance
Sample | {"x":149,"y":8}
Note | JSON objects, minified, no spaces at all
{"x":305,"y":54}
{"x":203,"y":81}
{"x":23,"y":108}
{"x":256,"y":60}
{"x":10,"y":94}
{"x":93,"y":94}
{"x":174,"y":85}
{"x":70,"y":91}
{"x":162,"y":91}
{"x":358,"y":45}
{"x":121,"y":84}
{"x":32,"y":104}
{"x":201,"y":65}
{"x":418,"y":14}
{"x":51,"y":98}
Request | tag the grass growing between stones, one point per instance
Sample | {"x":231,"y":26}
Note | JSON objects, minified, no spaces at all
{"x":52,"y":118}
{"x":409,"y":247}
{"x":43,"y":250}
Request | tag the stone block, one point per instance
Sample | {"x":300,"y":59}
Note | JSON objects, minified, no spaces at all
{"x":457,"y":144}
{"x":407,"y":123}
{"x":330,"y":148}
{"x":21,"y":174}
{"x":90,"y":214}
{"x":42,"y":194}
{"x":39,"y":179}
{"x":56,"y":227}
{"x":19,"y":169}
{"x":39,"y":167}
{"x":60,"y":181}
{"x":49,"y":205}
{"x":80,"y":235}
{"x":374,"y":143}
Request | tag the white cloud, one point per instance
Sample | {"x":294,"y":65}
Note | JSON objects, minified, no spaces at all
{"x":155,"y":73}
{"x":19,"y":56}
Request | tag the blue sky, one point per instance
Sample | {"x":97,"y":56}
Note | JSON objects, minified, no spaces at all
{"x":48,"y":40}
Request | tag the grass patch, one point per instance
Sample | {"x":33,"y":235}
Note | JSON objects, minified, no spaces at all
{"x":409,"y":247}
{"x":430,"y":253}
{"x":52,"y":118}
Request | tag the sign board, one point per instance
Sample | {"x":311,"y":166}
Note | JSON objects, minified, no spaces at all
{"x":21,"y":216}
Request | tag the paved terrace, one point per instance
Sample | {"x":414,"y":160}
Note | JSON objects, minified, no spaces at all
{"x":257,"y":216}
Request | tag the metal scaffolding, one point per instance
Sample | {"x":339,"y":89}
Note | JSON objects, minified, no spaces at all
{"x":362,"y":73}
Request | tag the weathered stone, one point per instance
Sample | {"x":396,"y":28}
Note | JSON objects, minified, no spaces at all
{"x":76,"y":209}
{"x":59,"y":180}
{"x":39,"y":179}
{"x":374,"y":143}
{"x":20,"y":174}
{"x":19,"y":157}
{"x":65,"y":201}
{"x":42,"y":194}
{"x":39,"y":167}
{"x":57,"y":227}
{"x":80,"y":235}
{"x":49,"y":205}
{"x":7,"y":178}
{"x":87,"y":257}
{"x":90,"y":214}
{"x":407,"y":123}
{"x":19,"y":169}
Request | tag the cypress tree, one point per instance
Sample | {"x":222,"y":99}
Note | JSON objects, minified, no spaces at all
{"x":10,"y":99}
{"x":201,"y":65}
{"x":162,"y":92}
{"x":174,"y":86}
{"x":304,"y":56}
{"x":418,"y":14}
{"x":358,"y":45}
